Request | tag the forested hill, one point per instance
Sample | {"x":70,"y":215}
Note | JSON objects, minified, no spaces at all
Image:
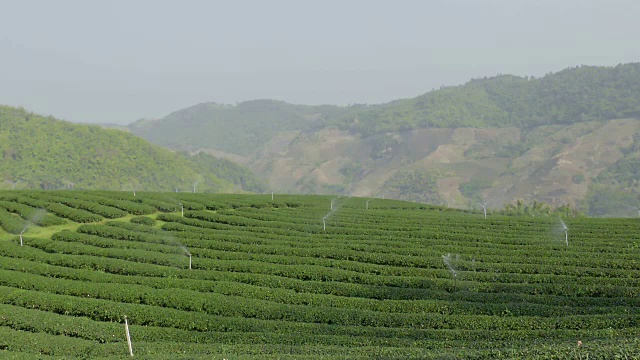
{"x":238,"y":129}
{"x":573,"y":95}
{"x":45,"y":153}
{"x":579,"y":94}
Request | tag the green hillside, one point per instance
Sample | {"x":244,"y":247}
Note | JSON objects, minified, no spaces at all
{"x":44,"y":153}
{"x":239,"y":129}
{"x":567,"y":138}
{"x":573,"y":95}
{"x":308,"y":277}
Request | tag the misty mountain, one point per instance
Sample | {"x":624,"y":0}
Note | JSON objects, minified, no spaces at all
{"x":238,"y":129}
{"x":553,"y":139}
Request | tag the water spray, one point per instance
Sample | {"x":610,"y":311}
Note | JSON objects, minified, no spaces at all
{"x":449,"y":261}
{"x":566,"y":232}
{"x":187,"y":253}
{"x":333,"y":209}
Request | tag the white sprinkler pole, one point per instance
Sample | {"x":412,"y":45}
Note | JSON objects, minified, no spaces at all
{"x":189,"y":261}
{"x":21,"y":243}
{"x":566,"y":232}
{"x":126,"y":329}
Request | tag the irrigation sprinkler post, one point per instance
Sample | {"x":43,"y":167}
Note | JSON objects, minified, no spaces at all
{"x":189,"y":261}
{"x":21,"y":243}
{"x":272,"y":196}
{"x":566,"y":232}
{"x":332,"y":204}
{"x":484,"y":207}
{"x":367,"y":205}
{"x":134,"y":192}
{"x":126,"y":329}
{"x":182,"y":209}
{"x":324,"y":225}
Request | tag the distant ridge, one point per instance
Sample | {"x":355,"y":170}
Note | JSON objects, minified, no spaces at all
{"x":563,"y":138}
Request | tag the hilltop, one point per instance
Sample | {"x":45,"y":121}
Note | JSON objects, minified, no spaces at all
{"x":239,"y":129}
{"x":557,"y":139}
{"x":45,"y":153}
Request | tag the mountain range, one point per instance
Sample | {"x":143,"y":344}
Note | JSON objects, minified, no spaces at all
{"x":569,"y":137}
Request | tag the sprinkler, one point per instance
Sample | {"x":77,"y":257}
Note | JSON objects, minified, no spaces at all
{"x":566,"y":232}
{"x":21,"y":243}
{"x":449,"y":261}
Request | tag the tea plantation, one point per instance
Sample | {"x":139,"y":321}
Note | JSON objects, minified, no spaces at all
{"x":217,"y":276}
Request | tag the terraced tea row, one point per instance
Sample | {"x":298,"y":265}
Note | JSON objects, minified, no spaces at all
{"x":213,"y":275}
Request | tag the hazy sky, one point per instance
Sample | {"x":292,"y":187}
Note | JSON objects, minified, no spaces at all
{"x":117,"y":61}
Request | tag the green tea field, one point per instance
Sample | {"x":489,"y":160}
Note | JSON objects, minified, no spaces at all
{"x":222,"y":276}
